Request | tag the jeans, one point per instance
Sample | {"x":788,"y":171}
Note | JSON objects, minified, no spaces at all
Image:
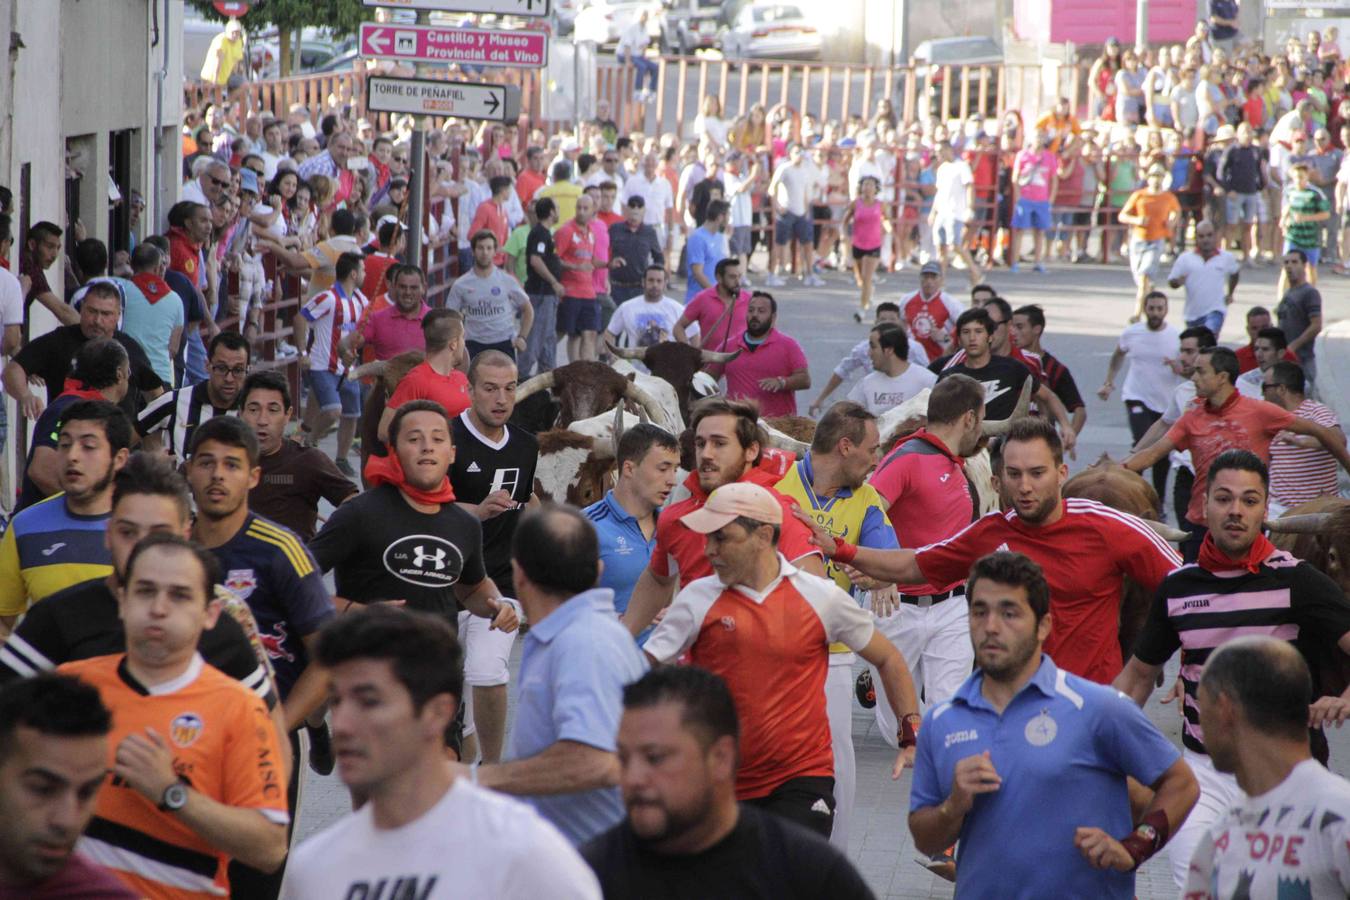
{"x":542,"y":345}
{"x":1141,"y":419}
{"x":1213,"y":320}
{"x":644,"y":66}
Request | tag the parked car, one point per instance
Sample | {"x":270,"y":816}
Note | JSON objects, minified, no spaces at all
{"x":690,"y":25}
{"x":602,"y":21}
{"x":963,"y":57}
{"x":771,"y":30}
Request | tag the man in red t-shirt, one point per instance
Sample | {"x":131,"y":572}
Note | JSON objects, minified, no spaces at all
{"x":436,"y":377}
{"x":1086,"y":549}
{"x":578,"y":310}
{"x":728,"y":446}
{"x":491,"y":216}
{"x":531,"y":178}
{"x":1258,"y":318}
{"x":1222,"y":419}
{"x":931,"y":314}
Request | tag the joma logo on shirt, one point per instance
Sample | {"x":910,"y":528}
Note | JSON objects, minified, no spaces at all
{"x":960,"y":737}
{"x":405,"y":887}
{"x":1199,"y":603}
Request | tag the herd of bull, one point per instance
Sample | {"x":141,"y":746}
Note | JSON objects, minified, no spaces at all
{"x":578,"y":412}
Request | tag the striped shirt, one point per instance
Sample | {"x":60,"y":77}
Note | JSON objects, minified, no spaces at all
{"x":1197,"y":611}
{"x":177,"y":414}
{"x":332,"y":314}
{"x":1300,"y":474}
{"x":46,"y":549}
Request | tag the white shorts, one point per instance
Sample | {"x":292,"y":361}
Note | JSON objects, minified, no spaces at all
{"x":935,"y":642}
{"x":1218,"y":793}
{"x":487,"y":651}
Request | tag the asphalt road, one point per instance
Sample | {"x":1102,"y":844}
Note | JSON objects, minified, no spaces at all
{"x":1086,"y":306}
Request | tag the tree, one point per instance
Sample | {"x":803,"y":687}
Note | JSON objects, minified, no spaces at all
{"x":342,"y":17}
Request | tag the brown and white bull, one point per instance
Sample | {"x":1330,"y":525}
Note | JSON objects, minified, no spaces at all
{"x":585,"y":389}
{"x":678,"y":364}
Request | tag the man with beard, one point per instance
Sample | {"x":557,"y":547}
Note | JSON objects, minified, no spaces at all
{"x":405,"y":541}
{"x":829,"y":483}
{"x":1086,"y":549}
{"x":1021,"y":730}
{"x":771,"y":366}
{"x":294,"y":477}
{"x":765,"y":626}
{"x":1240,"y":586}
{"x":728,"y":446}
{"x":678,"y":750}
{"x":54,"y":544}
{"x":169,"y":421}
{"x":267,"y":567}
{"x":54,"y":731}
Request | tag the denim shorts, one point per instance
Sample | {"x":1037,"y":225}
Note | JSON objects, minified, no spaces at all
{"x":332,"y":391}
{"x":788,"y":228}
{"x":1034,"y":214}
{"x":1246,"y":208}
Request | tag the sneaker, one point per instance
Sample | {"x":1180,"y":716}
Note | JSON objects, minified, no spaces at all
{"x":864,"y":689}
{"x":285,"y":350}
{"x":320,"y":749}
{"x":857,"y":316}
{"x":1039,"y":269}
{"x":774,"y":281}
{"x":813,"y":280}
{"x":346,"y":468}
{"x":1015,"y":267}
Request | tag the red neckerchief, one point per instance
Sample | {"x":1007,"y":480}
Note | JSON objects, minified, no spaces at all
{"x":923,"y":434}
{"x":152,"y":286}
{"x":1228,"y":404}
{"x":1212,"y":559}
{"x":388,"y":470}
{"x":382,"y":174}
{"x":74,"y":387}
{"x":4,"y":263}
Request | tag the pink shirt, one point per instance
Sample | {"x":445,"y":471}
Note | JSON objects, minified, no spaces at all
{"x":718,"y":329}
{"x":778,"y":357}
{"x":389,"y":332}
{"x":1039,"y":167}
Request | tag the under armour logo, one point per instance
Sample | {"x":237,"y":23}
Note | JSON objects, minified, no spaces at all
{"x":53,"y":548}
{"x":421,"y":557}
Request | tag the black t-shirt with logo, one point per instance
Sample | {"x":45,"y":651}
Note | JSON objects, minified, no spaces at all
{"x":380,"y":548}
{"x":1002,"y":378}
{"x":483,"y":467}
{"x":540,"y":243}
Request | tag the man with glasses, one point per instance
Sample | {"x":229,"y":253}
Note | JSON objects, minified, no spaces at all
{"x":210,"y":181}
{"x":609,"y":170}
{"x":169,"y":421}
{"x":332,"y":163}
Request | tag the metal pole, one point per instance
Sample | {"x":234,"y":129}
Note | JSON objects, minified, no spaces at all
{"x":418,"y":154}
{"x":1140,"y":25}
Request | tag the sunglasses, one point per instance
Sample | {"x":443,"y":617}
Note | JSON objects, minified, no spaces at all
{"x":217,"y":182}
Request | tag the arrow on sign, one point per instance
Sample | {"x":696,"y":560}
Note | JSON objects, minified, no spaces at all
{"x":378,"y":40}
{"x":492,"y":103}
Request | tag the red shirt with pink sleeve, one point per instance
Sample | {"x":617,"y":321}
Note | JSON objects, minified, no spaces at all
{"x":778,"y":356}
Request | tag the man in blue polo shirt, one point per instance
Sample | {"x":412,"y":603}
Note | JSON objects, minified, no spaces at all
{"x":575,"y":663}
{"x":625,"y":519}
{"x":1026,"y":765}
{"x":707,"y":247}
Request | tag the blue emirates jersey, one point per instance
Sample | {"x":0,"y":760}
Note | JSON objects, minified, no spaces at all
{"x":1062,"y":748}
{"x":623,"y":548}
{"x":268,"y":568}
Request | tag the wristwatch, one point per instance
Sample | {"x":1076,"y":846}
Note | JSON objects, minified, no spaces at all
{"x":175,"y":797}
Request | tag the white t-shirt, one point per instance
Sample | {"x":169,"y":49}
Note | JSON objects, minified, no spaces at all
{"x":863,"y":168}
{"x":880,"y":392}
{"x":1206,"y":282}
{"x":742,"y":214}
{"x":11,"y":298}
{"x":794,"y":184}
{"x":952,"y":180}
{"x":472,"y":843}
{"x":712,"y":126}
{"x":655,"y":193}
{"x":1150,"y":380}
{"x":1296,"y":834}
{"x":640,"y":323}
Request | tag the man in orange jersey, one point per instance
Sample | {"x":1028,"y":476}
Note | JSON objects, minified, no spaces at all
{"x":196,"y":772}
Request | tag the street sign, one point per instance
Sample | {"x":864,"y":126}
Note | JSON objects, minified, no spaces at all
{"x":232,"y":8}
{"x":498,"y":7}
{"x":433,"y":97}
{"x":467,"y":46}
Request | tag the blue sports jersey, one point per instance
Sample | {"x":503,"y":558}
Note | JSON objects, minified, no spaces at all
{"x":268,"y":567}
{"x":623,"y":548}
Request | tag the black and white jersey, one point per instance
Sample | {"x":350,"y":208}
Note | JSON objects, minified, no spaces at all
{"x":176,"y":414}
{"x":483,"y":467}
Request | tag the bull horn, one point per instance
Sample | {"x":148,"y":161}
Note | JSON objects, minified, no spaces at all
{"x":617,"y":433}
{"x":541,"y":382}
{"x":638,"y":353}
{"x":779,"y":441}
{"x":712,"y":357}
{"x":1308,"y":523}
{"x":645,"y":401}
{"x":1000,"y":426}
{"x":1166,"y":532}
{"x":373,"y":369}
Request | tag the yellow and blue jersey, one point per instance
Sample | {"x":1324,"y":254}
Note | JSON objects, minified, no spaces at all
{"x":46,"y":549}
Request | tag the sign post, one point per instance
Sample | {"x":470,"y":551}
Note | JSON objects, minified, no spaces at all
{"x":434,"y":97}
{"x":529,"y":8}
{"x":465,"y":46}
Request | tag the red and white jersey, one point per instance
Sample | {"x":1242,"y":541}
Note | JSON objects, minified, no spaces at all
{"x":1086,"y":555}
{"x":331,"y":314}
{"x":1031,"y":360}
{"x":772,"y":648}
{"x":1300,"y":474}
{"x":928,"y":318}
